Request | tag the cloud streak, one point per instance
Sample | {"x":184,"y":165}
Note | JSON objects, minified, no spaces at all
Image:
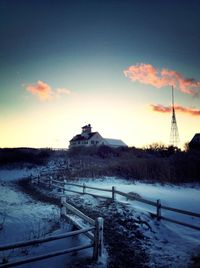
{"x":167,"y":109}
{"x":149,"y":75}
{"x":44,"y":92}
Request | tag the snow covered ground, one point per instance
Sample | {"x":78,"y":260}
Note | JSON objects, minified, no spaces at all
{"x":169,"y":245}
{"x":185,"y":197}
{"x":22,"y":219}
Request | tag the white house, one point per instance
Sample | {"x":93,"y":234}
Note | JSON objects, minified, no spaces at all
{"x":89,"y":138}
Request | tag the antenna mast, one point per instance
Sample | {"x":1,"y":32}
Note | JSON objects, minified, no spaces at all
{"x":174,"y":136}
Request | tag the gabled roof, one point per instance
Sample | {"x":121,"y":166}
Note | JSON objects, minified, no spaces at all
{"x":115,"y":142}
{"x":86,"y":126}
{"x":196,"y":138}
{"x":80,"y":137}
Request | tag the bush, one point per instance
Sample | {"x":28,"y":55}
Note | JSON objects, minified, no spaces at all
{"x":163,"y":164}
{"x":186,"y":166}
{"x":24,"y":155}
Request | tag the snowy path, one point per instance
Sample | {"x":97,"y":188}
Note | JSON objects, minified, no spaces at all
{"x":27,"y":219}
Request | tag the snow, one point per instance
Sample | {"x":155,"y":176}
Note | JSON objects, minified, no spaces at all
{"x":15,"y":174}
{"x":182,"y":197}
{"x":27,"y":219}
{"x":168,"y":243}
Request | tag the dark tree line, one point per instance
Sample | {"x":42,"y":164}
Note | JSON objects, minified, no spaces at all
{"x":155,"y":162}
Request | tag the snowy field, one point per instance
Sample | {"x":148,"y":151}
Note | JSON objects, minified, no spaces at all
{"x":170,"y":242}
{"x":170,"y":245}
{"x":185,"y":197}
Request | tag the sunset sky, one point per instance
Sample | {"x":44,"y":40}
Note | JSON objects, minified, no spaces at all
{"x":64,"y":64}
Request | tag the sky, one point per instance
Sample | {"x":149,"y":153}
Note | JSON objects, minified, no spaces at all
{"x":64,"y":64}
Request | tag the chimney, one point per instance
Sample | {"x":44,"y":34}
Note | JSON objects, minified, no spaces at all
{"x":86,"y":130}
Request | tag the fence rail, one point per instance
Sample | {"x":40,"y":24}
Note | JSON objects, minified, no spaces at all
{"x":62,"y":182}
{"x":96,"y":237}
{"x":157,"y":204}
{"x":99,"y":189}
{"x":76,"y":224}
{"x":181,"y":223}
{"x":131,"y":196}
{"x":181,"y":211}
{"x":77,"y":212}
{"x":98,"y":223}
{"x":44,"y":240}
{"x":46,"y":256}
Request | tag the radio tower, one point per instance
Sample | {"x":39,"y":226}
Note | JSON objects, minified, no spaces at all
{"x":174,"y":136}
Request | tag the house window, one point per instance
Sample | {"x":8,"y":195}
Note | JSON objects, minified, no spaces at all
{"x":97,"y":142}
{"x":92,"y":142}
{"x":79,"y":142}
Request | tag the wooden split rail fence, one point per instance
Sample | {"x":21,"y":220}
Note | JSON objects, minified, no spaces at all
{"x":62,"y":186}
{"x":94,"y":233}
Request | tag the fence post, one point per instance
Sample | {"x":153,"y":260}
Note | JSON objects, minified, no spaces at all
{"x":63,"y":210}
{"x":158,"y":210}
{"x":98,"y":239}
{"x":113,"y":193}
{"x":84,"y":188}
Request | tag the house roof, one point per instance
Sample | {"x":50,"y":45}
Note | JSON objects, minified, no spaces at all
{"x":80,"y":137}
{"x":86,"y":126}
{"x":115,"y":142}
{"x":196,"y":138}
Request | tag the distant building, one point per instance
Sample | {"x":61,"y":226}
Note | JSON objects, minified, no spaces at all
{"x":89,"y":138}
{"x":114,"y":143}
{"x":195,"y":142}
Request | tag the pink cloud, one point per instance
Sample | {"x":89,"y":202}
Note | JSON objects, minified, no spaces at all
{"x":44,"y":92}
{"x":149,"y":75}
{"x":167,"y":109}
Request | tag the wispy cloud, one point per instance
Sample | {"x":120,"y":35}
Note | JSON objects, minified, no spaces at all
{"x":60,"y":91}
{"x":44,"y":92}
{"x":148,"y":74}
{"x":167,"y":109}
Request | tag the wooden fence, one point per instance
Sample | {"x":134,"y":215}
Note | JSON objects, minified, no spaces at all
{"x":157,"y":204}
{"x":96,"y":238}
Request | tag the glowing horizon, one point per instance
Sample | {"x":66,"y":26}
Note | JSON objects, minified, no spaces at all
{"x":42,"y":127}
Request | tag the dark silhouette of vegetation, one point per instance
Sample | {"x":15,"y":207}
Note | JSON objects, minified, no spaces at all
{"x":194,"y":146}
{"x":155,"y":162}
{"x":24,"y":156}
